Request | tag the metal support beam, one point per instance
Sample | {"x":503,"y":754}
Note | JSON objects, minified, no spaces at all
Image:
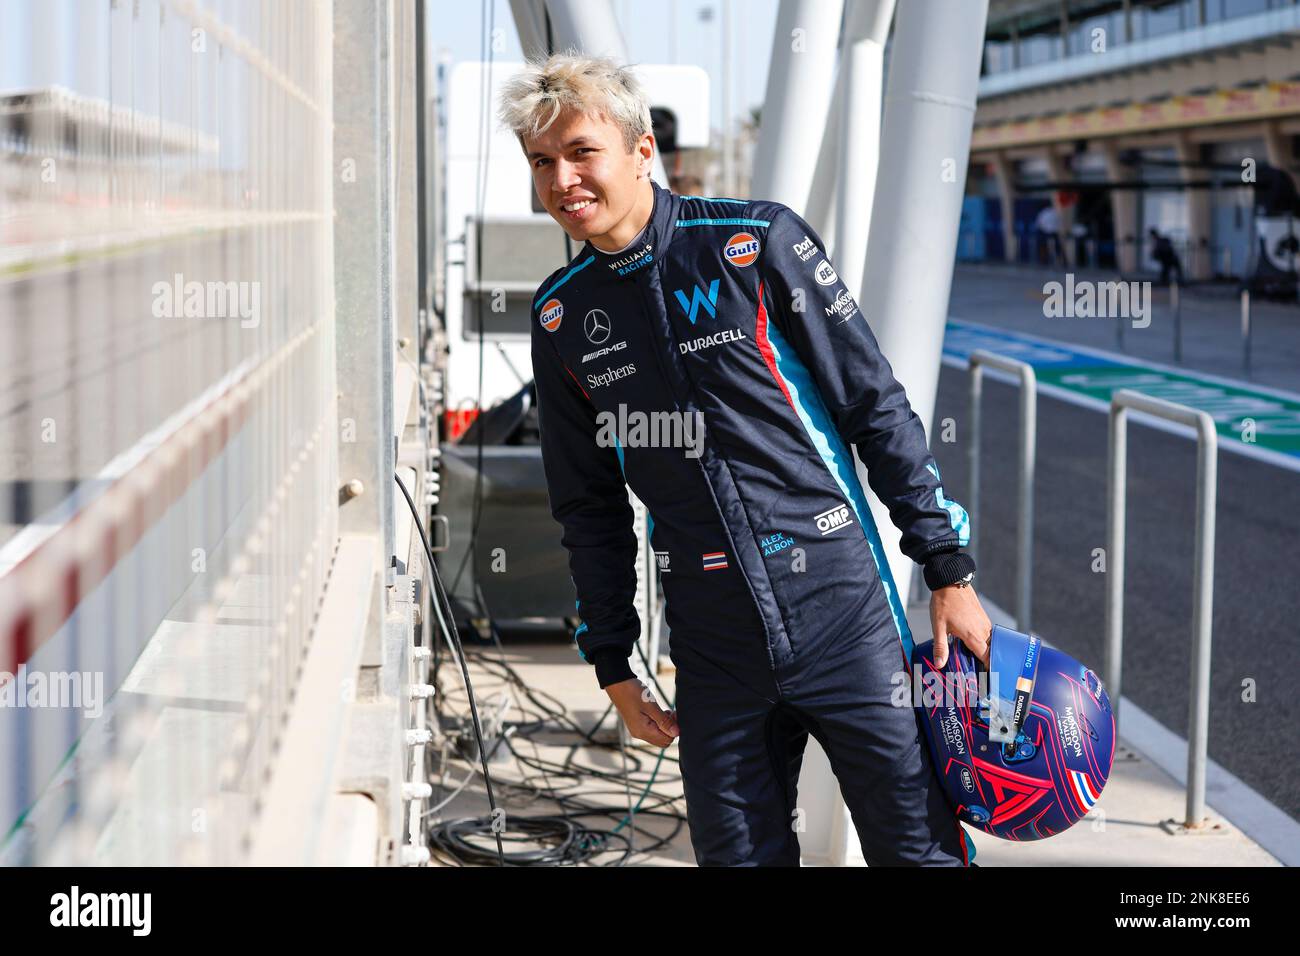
{"x":934,"y":71}
{"x":800,"y":83}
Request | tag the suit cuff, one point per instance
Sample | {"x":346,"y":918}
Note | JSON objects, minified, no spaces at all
{"x":611,"y":665}
{"x":945,"y":568}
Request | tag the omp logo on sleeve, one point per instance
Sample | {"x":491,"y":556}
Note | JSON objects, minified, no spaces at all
{"x":552,"y":312}
{"x":741,"y":249}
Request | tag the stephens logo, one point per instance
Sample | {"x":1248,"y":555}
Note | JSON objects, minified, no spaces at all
{"x":552,"y":312}
{"x":610,"y":375}
{"x":828,"y":522}
{"x":741,"y":249}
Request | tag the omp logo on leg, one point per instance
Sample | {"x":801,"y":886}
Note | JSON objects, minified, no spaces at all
{"x":828,"y":522}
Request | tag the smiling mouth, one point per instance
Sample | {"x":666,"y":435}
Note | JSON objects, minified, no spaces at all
{"x":576,"y":210}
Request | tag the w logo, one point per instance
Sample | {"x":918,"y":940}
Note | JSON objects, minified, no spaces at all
{"x":698,"y":298}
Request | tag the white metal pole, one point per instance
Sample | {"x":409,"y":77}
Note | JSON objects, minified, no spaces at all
{"x":839,"y":205}
{"x":728,"y":147}
{"x":929,"y":108}
{"x":859,"y":85}
{"x":800,"y":82}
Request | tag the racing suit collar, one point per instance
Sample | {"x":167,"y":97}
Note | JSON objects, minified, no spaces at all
{"x":646,"y":248}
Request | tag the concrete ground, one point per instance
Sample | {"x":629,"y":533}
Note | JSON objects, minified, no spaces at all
{"x":1124,"y":830}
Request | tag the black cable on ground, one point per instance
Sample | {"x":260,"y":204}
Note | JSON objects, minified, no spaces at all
{"x":452,"y":839}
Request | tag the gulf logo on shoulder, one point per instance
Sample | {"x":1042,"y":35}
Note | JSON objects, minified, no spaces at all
{"x":552,"y":312}
{"x":741,"y":249}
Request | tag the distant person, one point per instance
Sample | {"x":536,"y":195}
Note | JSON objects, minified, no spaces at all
{"x":1162,"y":250}
{"x":1048,"y":226}
{"x":700,"y":303}
{"x":686,"y":185}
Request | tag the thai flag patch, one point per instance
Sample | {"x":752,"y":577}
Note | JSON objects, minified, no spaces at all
{"x":715,"y":561}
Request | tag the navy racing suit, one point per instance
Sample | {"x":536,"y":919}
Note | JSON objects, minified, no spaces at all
{"x":720,"y":368}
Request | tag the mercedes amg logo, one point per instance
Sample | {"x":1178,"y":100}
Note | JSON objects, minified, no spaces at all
{"x":597,"y":326}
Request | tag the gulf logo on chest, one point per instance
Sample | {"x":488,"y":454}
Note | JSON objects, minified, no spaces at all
{"x":741,"y":249}
{"x":552,"y":312}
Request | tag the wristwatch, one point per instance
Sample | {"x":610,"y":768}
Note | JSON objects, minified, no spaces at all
{"x":949,"y":568}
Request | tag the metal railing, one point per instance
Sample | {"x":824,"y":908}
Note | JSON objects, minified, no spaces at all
{"x":201,"y":538}
{"x":1206,"y":483}
{"x":1028,"y":445}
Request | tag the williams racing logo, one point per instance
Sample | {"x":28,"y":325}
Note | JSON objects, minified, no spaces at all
{"x":630,"y":263}
{"x":552,"y":312}
{"x":828,"y":522}
{"x":700,"y":299}
{"x":741,"y":249}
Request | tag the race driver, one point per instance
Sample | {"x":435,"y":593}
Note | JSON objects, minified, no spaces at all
{"x":704,"y":352}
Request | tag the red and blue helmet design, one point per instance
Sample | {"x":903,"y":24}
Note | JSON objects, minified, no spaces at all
{"x":1022,"y":749}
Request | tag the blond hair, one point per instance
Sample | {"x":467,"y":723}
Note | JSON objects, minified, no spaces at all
{"x":533,"y":98}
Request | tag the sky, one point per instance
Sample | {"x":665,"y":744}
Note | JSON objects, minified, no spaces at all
{"x":649,"y":37}
{"x":120,"y":54}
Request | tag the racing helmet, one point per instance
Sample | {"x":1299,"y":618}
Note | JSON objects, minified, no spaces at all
{"x":1023,"y":748}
